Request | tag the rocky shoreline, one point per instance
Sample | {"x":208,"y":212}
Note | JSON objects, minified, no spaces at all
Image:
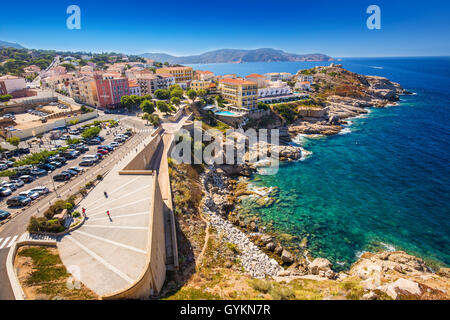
{"x":396,"y":275}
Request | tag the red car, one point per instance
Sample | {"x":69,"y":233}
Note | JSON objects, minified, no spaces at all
{"x":103,"y":152}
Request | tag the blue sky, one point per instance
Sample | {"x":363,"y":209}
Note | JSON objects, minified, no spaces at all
{"x":336,"y":28}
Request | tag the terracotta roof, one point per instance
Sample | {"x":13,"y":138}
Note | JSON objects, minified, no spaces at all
{"x":132,"y":84}
{"x":254,"y":75}
{"x":204,"y":72}
{"x":236,"y":81}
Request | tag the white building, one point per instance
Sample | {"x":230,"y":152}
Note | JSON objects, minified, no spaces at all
{"x":303,"y":85}
{"x":303,"y":78}
{"x":275,"y":76}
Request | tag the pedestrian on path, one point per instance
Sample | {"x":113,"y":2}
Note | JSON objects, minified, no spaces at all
{"x":84,"y":211}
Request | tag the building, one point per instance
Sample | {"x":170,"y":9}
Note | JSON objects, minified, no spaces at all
{"x":303,"y":85}
{"x":84,"y":90}
{"x":275,"y":76}
{"x":259,"y":79}
{"x":243,"y":94}
{"x":110,"y":88}
{"x":11,"y":84}
{"x":203,"y":75}
{"x":201,"y":84}
{"x":303,"y":78}
{"x":135,"y":89}
{"x":181,"y":74}
{"x":31,"y":70}
{"x":149,"y":83}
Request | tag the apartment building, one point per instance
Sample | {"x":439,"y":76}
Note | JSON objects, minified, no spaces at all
{"x":275,"y":76}
{"x":110,"y":88}
{"x":181,"y":74}
{"x":84,"y":90}
{"x":243,"y":94}
{"x":201,"y":84}
{"x":149,"y":83}
{"x":135,"y":89}
{"x":203,"y":75}
{"x":303,"y":78}
{"x":259,"y":79}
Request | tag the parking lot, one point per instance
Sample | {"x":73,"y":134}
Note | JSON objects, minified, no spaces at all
{"x":44,"y":177}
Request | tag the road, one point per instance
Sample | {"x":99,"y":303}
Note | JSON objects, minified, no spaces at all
{"x":10,"y":231}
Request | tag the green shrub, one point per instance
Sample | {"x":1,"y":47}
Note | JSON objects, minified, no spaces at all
{"x":261,"y":285}
{"x":76,"y":214}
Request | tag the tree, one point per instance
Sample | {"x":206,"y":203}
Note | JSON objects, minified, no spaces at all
{"x":192,"y":94}
{"x":162,"y":94}
{"x":262,"y":106}
{"x":147,"y":106}
{"x":155,"y":120}
{"x":163,"y":107}
{"x":176,"y":101}
{"x":14,"y":141}
{"x":5,"y":97}
{"x":177,"y":92}
{"x":91,"y":132}
{"x":202,"y":93}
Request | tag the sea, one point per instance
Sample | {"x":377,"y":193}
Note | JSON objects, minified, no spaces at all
{"x":382,"y":184}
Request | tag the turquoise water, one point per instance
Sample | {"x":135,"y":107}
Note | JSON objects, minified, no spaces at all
{"x":225,"y":113}
{"x":385,"y":183}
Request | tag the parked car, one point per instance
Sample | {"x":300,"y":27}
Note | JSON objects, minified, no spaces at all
{"x":26,"y":178}
{"x":79,"y":170}
{"x":102,"y":151}
{"x":46,"y":166}
{"x":41,"y":190}
{"x":114,"y":144}
{"x":38,"y":172}
{"x":82,"y":148}
{"x":62,"y":177}
{"x":56,"y":164}
{"x":4,"y":192}
{"x":72,"y":172}
{"x":3,"y":166}
{"x":19,"y":183}
{"x":30,"y":194}
{"x":4,"y":214}
{"x":9,"y":185}
{"x":18,"y":201}
{"x":86,"y":163}
{"x":119,"y":139}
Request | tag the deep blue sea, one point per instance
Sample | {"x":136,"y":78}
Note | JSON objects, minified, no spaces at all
{"x":385,"y":183}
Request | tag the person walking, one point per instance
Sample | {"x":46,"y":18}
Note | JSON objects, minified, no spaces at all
{"x":84,"y":211}
{"x":107,"y":212}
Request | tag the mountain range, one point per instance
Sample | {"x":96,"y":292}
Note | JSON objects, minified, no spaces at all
{"x":237,"y":56}
{"x":5,"y":44}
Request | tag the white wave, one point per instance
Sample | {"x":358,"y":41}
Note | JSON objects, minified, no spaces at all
{"x":345,"y":131}
{"x":375,"y":67}
{"x":358,"y":254}
{"x":305,"y":154}
{"x":388,"y":247}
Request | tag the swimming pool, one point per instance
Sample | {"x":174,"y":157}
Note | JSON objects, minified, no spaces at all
{"x":226,"y":113}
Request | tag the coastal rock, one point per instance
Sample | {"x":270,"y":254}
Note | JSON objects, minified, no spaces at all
{"x":370,"y":296}
{"x":334,"y":120}
{"x":266,"y":239}
{"x":270,"y":246}
{"x":319,"y":265}
{"x":278,"y":249}
{"x":287,"y":257}
{"x":401,"y":287}
{"x":444,"y":272}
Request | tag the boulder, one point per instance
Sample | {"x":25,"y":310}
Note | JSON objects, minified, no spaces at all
{"x":278,"y":249}
{"x":270,"y":246}
{"x":318,"y":265}
{"x":266,"y":239}
{"x":401,"y":286}
{"x":287,"y":257}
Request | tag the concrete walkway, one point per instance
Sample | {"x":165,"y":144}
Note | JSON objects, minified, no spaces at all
{"x":110,"y":252}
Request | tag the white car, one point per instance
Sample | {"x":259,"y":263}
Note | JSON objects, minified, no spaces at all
{"x":30,"y":194}
{"x":19,"y":183}
{"x":114,"y":144}
{"x":3,"y":166}
{"x":41,"y":190}
{"x":4,"y":192}
{"x":9,"y":185}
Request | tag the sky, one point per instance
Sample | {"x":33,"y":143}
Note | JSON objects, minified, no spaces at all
{"x":336,"y":28}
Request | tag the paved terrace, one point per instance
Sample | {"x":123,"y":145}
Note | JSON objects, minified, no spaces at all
{"x":110,"y":252}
